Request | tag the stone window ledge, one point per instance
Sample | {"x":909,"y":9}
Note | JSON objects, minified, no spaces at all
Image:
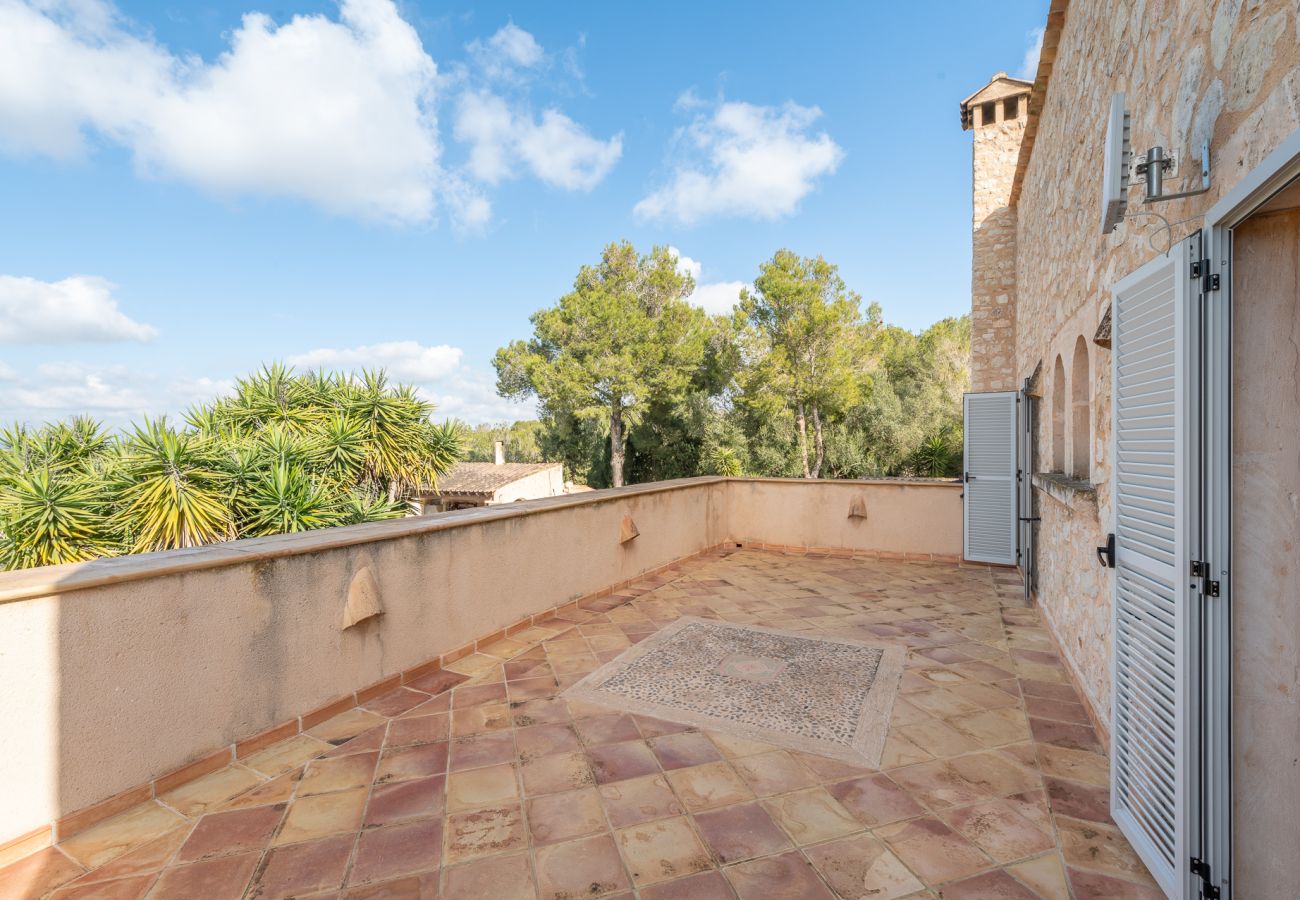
{"x":1071,"y":493}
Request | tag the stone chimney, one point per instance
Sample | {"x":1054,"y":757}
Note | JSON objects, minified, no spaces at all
{"x":499,"y":452}
{"x":996,"y":114}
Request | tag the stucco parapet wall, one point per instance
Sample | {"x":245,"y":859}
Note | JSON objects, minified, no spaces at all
{"x":25,"y":584}
{"x":1072,"y":493}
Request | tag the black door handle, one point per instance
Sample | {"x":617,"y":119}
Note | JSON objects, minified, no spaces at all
{"x":1106,"y":554}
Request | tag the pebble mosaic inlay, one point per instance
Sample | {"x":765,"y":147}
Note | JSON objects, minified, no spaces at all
{"x":811,"y":693}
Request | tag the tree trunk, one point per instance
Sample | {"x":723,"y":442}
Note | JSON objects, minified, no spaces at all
{"x":817,"y":441}
{"x":616,"y":445}
{"x":802,"y":421}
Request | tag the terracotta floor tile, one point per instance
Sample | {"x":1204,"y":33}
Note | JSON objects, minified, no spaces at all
{"x":479,"y":750}
{"x":608,"y":729}
{"x":132,"y":888}
{"x":639,"y":800}
{"x":709,"y":786}
{"x":810,"y":816}
{"x":1094,"y":846}
{"x":863,"y":867}
{"x":995,"y":885}
{"x":661,"y":850}
{"x":310,"y":818}
{"x":686,"y":748}
{"x":425,"y":729}
{"x":942,"y":703}
{"x":498,"y":877}
{"x":541,"y":712}
{"x":222,"y":878}
{"x":366,"y":741}
{"x":438,"y":703}
{"x":478,"y":719}
{"x":534,"y":688}
{"x":483,"y":832}
{"x":617,"y":762}
{"x":490,"y":786}
{"x":406,"y":763}
{"x":556,"y":773}
{"x":1045,"y":875}
{"x":1076,"y":765}
{"x":393,"y":851}
{"x":933,"y":850}
{"x":899,"y":751}
{"x":115,"y":836}
{"x":225,"y":833}
{"x":303,"y":869}
{"x":785,"y":877}
{"x":994,"y":727}
{"x":345,"y":726}
{"x":286,"y":755}
{"x":1065,"y":734}
{"x":588,"y":867}
{"x":1079,"y":801}
{"x":999,"y":830}
{"x":37,"y":874}
{"x":553,"y":818}
{"x":543,"y":740}
{"x":212,"y":790}
{"x":470,"y":665}
{"x":777,"y":772}
{"x":737,"y":833}
{"x":652,"y":727}
{"x":939,"y":738}
{"x":413,"y":887}
{"x":875,"y":800}
{"x":1096,"y":886}
{"x":470,"y":694}
{"x":338,"y":773}
{"x":704,"y":886}
{"x":733,"y":745}
{"x":148,"y":858}
{"x":437,"y":682}
{"x":414,"y":799}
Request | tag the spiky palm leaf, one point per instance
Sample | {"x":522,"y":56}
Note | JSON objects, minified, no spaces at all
{"x":287,"y":499}
{"x":173,"y":489}
{"x":49,"y":517}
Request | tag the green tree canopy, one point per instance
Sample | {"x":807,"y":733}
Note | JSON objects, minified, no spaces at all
{"x":800,"y":332}
{"x":623,"y":337}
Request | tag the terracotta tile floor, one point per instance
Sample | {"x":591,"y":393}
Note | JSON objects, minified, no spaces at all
{"x":991,"y":784}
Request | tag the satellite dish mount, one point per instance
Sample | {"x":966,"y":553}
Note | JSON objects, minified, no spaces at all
{"x":1120,"y":165}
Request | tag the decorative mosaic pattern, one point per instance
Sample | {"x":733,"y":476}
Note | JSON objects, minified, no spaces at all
{"x":820,"y":694}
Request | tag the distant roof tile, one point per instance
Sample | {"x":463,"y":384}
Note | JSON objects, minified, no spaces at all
{"x":484,"y":477}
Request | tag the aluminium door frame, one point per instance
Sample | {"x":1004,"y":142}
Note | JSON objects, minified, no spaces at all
{"x":1277,"y":170}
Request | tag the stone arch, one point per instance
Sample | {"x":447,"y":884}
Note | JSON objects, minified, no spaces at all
{"x":1058,"y":416}
{"x":1080,"y":412}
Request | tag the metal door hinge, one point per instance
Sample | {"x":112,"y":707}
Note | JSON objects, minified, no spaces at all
{"x":1201,"y":869}
{"x":1201,"y":570}
{"x":1201,"y":269}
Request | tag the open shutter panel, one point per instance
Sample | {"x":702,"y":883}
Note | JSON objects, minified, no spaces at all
{"x":1150,"y":716}
{"x":989,"y":507}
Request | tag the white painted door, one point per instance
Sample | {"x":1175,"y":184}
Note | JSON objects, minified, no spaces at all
{"x":990,"y":512}
{"x":1153,"y":712}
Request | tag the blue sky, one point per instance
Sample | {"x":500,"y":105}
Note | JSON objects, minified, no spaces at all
{"x":192,"y":189}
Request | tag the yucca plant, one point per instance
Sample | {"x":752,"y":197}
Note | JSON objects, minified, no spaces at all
{"x":725,"y":461}
{"x":933,"y":459}
{"x":172,"y":489}
{"x":50,"y":516}
{"x":286,"y":499}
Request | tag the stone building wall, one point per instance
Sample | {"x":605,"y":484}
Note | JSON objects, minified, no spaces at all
{"x":993,"y":253}
{"x":1227,"y":70}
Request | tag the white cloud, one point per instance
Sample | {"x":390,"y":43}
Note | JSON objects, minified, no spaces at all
{"x":1029,"y":65}
{"x":749,"y":161}
{"x":509,"y":49}
{"x":115,"y":394}
{"x":715,"y":297}
{"x":339,"y":113}
{"x":80,"y":308}
{"x":403,"y":360}
{"x":557,"y":150}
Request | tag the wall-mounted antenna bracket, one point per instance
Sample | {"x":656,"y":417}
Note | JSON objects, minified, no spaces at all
{"x":1155,"y":164}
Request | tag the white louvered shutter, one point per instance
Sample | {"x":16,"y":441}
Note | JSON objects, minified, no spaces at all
{"x":1152,"y":377}
{"x":990,"y":512}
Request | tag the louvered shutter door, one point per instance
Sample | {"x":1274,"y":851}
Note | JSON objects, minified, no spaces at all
{"x":1150,"y":715}
{"x":989,"y":507}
